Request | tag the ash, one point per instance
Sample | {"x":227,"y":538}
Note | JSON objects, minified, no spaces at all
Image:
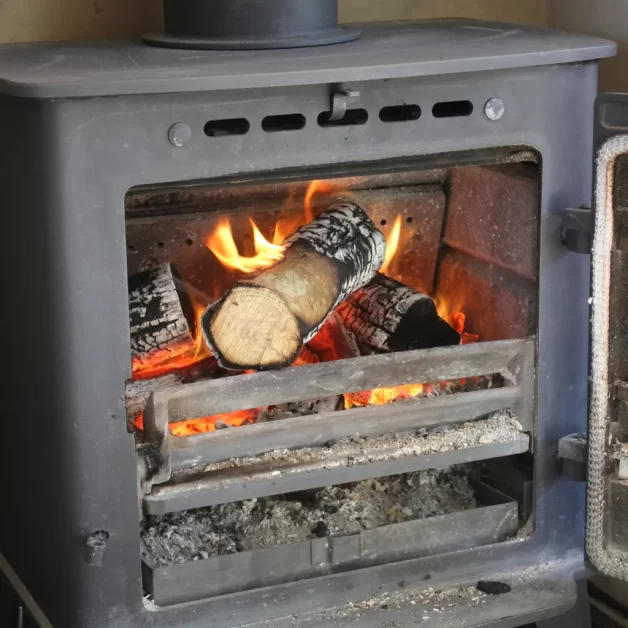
{"x":242,"y":526}
{"x":425,"y":606}
{"x":499,"y":427}
{"x":436,"y":600}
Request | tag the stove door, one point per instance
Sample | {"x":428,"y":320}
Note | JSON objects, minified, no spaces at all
{"x":607,"y":503}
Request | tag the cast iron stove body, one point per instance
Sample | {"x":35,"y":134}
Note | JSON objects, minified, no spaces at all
{"x":87,"y":123}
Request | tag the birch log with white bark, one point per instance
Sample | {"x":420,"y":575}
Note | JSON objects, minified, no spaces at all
{"x":160,"y":316}
{"x":263,"y":323}
{"x":389,"y":316}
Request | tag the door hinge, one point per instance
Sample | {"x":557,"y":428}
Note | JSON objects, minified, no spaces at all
{"x":572,"y":456}
{"x":577,"y":229}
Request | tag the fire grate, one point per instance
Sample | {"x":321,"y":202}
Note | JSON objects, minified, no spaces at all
{"x":165,"y":455}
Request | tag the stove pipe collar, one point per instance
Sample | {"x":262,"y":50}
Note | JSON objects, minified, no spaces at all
{"x":250,"y":24}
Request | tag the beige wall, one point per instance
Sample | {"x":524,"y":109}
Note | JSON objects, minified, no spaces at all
{"x":606,"y":18}
{"x":33,"y":20}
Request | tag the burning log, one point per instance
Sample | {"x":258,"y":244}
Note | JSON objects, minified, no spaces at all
{"x":333,"y":342}
{"x":390,"y":316}
{"x":137,"y":391}
{"x":160,"y":317}
{"x":263,"y":323}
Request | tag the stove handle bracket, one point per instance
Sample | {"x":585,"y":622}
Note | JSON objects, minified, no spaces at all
{"x":572,"y":456}
{"x":577,"y":229}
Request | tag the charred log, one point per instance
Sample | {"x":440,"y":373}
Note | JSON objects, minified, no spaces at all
{"x":160,"y":315}
{"x":333,"y":341}
{"x":389,"y":316}
{"x":137,"y":391}
{"x":263,"y":323}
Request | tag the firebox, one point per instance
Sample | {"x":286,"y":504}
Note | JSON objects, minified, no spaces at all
{"x":295,"y":335}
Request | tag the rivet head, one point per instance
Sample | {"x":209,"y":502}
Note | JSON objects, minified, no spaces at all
{"x":180,"y":134}
{"x":494,"y":109}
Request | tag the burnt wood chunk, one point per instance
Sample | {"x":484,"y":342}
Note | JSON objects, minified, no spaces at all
{"x":263,"y":323}
{"x":137,"y":391}
{"x":389,"y":316}
{"x":160,"y":316}
{"x":333,"y":341}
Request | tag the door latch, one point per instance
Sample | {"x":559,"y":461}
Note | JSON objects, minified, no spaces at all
{"x":577,"y":229}
{"x":572,"y":456}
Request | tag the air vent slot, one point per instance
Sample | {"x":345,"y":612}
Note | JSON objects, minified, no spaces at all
{"x":453,"y":109}
{"x":352,"y":117}
{"x":286,"y":122}
{"x":229,"y":126}
{"x":400,"y":113}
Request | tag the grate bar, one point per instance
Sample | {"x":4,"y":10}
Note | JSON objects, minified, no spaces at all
{"x":232,"y":484}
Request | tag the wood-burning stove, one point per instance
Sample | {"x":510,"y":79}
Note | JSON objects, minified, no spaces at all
{"x":123,"y":158}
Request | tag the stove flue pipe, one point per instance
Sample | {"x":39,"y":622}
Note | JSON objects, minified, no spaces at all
{"x":250,"y":24}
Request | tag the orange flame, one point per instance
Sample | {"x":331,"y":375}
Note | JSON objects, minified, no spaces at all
{"x":380,"y":396}
{"x":456,"y":318}
{"x":206,"y":424}
{"x":392,"y":244}
{"x":221,"y":243}
{"x":185,"y":356}
{"x":317,"y":187}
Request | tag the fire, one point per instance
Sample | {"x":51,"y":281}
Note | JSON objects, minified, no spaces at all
{"x":221,"y":243}
{"x":381,"y":396}
{"x":187,"y":356}
{"x":454,"y":315}
{"x":331,"y":345}
{"x":208,"y":424}
{"x":392,"y":244}
{"x":316,"y":187}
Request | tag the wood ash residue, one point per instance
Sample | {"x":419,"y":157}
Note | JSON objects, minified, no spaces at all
{"x":435,"y":600}
{"x":498,"y":427}
{"x":242,"y":526}
{"x":424,"y":606}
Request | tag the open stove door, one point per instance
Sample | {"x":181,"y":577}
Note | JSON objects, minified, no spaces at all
{"x":607,"y":490}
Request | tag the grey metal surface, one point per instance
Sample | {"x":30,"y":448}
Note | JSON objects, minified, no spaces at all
{"x":239,"y":483}
{"x":385,"y":51}
{"x":334,"y":378}
{"x":531,"y":602}
{"x":572,"y":456}
{"x":160,"y":451}
{"x":65,"y":167}
{"x":250,"y":24}
{"x":232,"y":573}
{"x":316,"y":430}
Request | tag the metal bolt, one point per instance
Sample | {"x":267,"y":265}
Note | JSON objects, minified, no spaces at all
{"x":623,"y":406}
{"x":494,"y":109}
{"x":95,"y":546}
{"x":179,"y":134}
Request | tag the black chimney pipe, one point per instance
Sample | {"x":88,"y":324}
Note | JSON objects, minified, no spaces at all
{"x":250,"y":24}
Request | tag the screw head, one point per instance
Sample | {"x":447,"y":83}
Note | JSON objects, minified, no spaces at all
{"x":623,"y":406}
{"x":494,"y":109}
{"x":180,"y":134}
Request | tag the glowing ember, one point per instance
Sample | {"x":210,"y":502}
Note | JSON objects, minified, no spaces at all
{"x":186,"y":357}
{"x":208,"y":424}
{"x":330,"y":344}
{"x":392,"y":244}
{"x":381,"y":396}
{"x":221,"y":243}
{"x":456,"y":318}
